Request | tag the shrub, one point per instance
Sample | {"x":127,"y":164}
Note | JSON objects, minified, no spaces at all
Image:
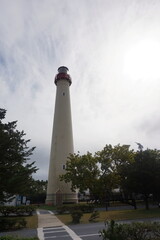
{"x":30,"y":209}
{"x":6,"y":238}
{"x":133,"y":231}
{"x":12,"y":223}
{"x":18,"y":210}
{"x":94,"y":216}
{"x":62,"y":209}
{"x":21,"y":223}
{"x":85,"y":208}
{"x":76,"y":216}
{"x":113,"y":232}
{"x":6,"y":210}
{"x":24,"y":210}
{"x":156,"y":229}
{"x":139,"y":231}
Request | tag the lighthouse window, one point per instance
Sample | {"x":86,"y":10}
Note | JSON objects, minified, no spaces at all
{"x":64,"y":166}
{"x":63,"y":93}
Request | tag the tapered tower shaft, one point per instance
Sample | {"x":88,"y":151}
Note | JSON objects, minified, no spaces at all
{"x":59,"y":192}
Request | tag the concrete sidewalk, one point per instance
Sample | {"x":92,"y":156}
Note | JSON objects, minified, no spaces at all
{"x":49,"y":226}
{"x":47,"y":219}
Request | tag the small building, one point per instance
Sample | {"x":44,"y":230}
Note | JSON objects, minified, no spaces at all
{"x":16,"y":200}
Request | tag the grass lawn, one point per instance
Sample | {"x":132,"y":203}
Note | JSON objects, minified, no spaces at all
{"x":115,"y":215}
{"x":46,"y":207}
{"x":32,"y":221}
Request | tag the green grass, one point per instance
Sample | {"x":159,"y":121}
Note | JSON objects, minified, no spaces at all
{"x":32,"y":221}
{"x":46,"y":207}
{"x":115,"y":215}
{"x":52,"y":208}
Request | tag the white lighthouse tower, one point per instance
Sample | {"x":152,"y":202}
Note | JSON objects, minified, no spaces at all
{"x":59,"y":192}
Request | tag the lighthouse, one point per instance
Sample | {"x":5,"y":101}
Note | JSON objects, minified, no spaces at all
{"x":59,"y":192}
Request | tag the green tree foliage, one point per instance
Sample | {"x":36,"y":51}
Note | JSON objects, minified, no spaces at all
{"x":97,"y":173}
{"x":15,"y":171}
{"x":133,"y":172}
{"x":142,"y":176}
{"x":38,"y":191}
{"x":82,"y":171}
{"x":111,"y":162}
{"x":132,"y":231}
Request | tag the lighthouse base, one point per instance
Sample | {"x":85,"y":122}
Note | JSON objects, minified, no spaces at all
{"x":60,"y":198}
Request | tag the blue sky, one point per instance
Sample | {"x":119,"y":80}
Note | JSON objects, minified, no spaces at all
{"x":112,"y":49}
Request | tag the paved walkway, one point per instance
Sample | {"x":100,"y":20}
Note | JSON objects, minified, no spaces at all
{"x":47,"y":219}
{"x":50,"y":227}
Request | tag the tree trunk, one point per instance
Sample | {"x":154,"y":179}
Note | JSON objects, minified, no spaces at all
{"x":134,"y":203}
{"x":106,"y":206}
{"x":146,"y":201}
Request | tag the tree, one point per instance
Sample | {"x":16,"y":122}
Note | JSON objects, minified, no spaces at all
{"x":142,"y":176}
{"x":97,"y":173}
{"x":15,"y":171}
{"x":111,"y":160}
{"x":82,"y":171}
{"x":38,"y":191}
{"x":116,"y":167}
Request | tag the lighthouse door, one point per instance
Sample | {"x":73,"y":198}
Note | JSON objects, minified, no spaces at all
{"x":59,"y":198}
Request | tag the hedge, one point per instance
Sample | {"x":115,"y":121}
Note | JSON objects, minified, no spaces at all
{"x":17,"y":211}
{"x":133,"y":231}
{"x":76,"y":216}
{"x":85,"y":208}
{"x":12,"y":223}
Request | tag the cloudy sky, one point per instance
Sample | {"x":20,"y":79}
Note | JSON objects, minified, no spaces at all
{"x":112,"y":49}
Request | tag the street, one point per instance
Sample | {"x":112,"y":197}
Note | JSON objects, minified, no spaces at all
{"x":80,"y":231}
{"x":88,"y":231}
